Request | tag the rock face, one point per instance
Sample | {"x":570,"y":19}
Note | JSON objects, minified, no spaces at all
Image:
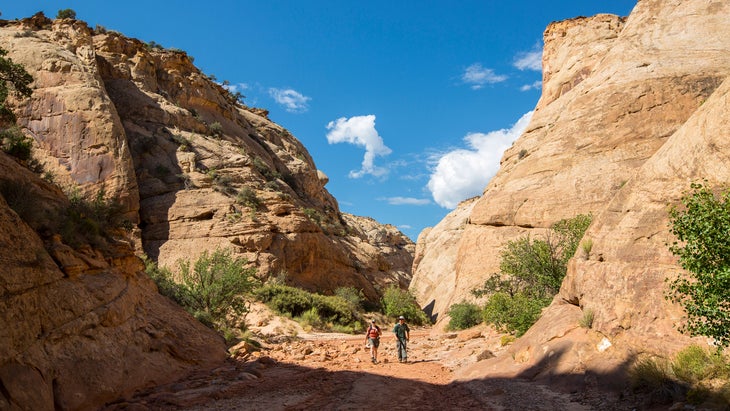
{"x":80,"y":322}
{"x":632,"y":111}
{"x":195,"y":169}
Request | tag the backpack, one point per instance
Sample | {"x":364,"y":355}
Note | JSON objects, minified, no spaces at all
{"x":374,"y":332}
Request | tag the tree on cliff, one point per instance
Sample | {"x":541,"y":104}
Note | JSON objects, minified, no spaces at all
{"x":13,"y":78}
{"x":702,"y":228}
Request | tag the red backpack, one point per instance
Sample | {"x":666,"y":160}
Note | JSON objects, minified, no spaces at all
{"x":374,"y":332}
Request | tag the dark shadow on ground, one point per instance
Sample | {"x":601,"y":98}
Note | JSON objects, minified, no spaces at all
{"x":267,"y":385}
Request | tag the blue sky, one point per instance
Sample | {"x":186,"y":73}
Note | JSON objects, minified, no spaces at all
{"x":406,"y":105}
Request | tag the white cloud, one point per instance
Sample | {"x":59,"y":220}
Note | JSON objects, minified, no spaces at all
{"x":360,"y":131}
{"x":536,"y":86}
{"x":407,"y":201}
{"x":292,"y":100}
{"x":531,"y":60}
{"x":405,"y":227}
{"x":240,"y":87}
{"x":463,"y":173}
{"x":478,"y":76}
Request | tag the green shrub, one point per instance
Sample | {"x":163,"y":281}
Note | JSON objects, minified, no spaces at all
{"x":215,"y":287}
{"x":653,"y":377}
{"x":91,"y":220}
{"x":694,"y":364}
{"x":513,"y":313}
{"x":216,"y":128}
{"x":330,"y":310}
{"x":532,"y":271}
{"x":16,"y":144}
{"x":352,"y":295}
{"x":464,"y":315}
{"x":701,"y":227}
{"x":247,"y":197}
{"x":397,"y":302}
{"x":66,"y":14}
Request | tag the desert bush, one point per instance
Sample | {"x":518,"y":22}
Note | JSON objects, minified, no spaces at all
{"x":352,"y":295}
{"x":15,"y":143}
{"x":216,"y":128}
{"x":464,"y":315}
{"x":694,"y":364}
{"x":247,"y":197}
{"x":22,"y":199}
{"x":301,"y":304}
{"x":532,"y":271}
{"x":93,"y":220}
{"x":586,"y":320}
{"x":215,"y":286}
{"x":513,"y":313}
{"x":653,"y":377}
{"x":397,"y":302}
{"x":66,"y":14}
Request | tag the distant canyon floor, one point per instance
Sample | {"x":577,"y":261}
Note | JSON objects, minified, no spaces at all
{"x":334,"y":372}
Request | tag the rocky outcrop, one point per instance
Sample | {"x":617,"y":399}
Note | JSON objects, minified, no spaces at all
{"x":80,"y":323}
{"x":195,"y":169}
{"x":619,"y":133}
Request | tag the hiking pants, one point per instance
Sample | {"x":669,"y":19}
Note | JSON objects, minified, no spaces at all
{"x":402,"y":355}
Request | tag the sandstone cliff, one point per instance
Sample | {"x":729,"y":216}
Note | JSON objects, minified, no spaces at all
{"x":632,"y":111}
{"x":196,"y":169}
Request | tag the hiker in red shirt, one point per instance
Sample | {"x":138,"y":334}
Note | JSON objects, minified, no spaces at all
{"x":372,"y":338}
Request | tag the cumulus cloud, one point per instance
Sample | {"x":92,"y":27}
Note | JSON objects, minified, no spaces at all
{"x":534,"y":86}
{"x":360,"y":131}
{"x":292,"y":100}
{"x":407,"y":201}
{"x":477,"y":76}
{"x":463,"y":173}
{"x":531,"y":60}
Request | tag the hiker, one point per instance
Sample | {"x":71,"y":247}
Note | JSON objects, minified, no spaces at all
{"x":372,"y":340}
{"x":401,"y":332}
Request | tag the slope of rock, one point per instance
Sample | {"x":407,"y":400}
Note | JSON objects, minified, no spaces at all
{"x":619,"y":134}
{"x":81,"y":326}
{"x":195,"y":168}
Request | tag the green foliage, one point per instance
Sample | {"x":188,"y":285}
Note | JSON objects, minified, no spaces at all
{"x":531,"y":273}
{"x":703,"y":248}
{"x":352,"y":295}
{"x":513,"y":313}
{"x":397,"y":302}
{"x":464,"y":315}
{"x":66,"y":14}
{"x":586,"y":320}
{"x":13,"y":78}
{"x":653,"y":376}
{"x":263,"y":169}
{"x":216,"y":128}
{"x":694,"y":364}
{"x":247,"y":197}
{"x":215,"y":286}
{"x":15,"y":143}
{"x":91,"y":220}
{"x":329,"y":311}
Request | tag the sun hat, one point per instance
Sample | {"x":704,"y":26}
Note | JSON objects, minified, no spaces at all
{"x":373,"y":320}
{"x":401,"y":318}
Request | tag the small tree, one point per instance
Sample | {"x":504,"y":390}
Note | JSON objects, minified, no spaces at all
{"x":531,"y":273}
{"x":13,"y":78}
{"x":216,"y":285}
{"x":702,"y":228}
{"x":66,"y":14}
{"x":397,"y":302}
{"x":464,"y":315}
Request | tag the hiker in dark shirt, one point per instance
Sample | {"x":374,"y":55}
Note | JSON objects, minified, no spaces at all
{"x":401,"y":332}
{"x":372,"y":338}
